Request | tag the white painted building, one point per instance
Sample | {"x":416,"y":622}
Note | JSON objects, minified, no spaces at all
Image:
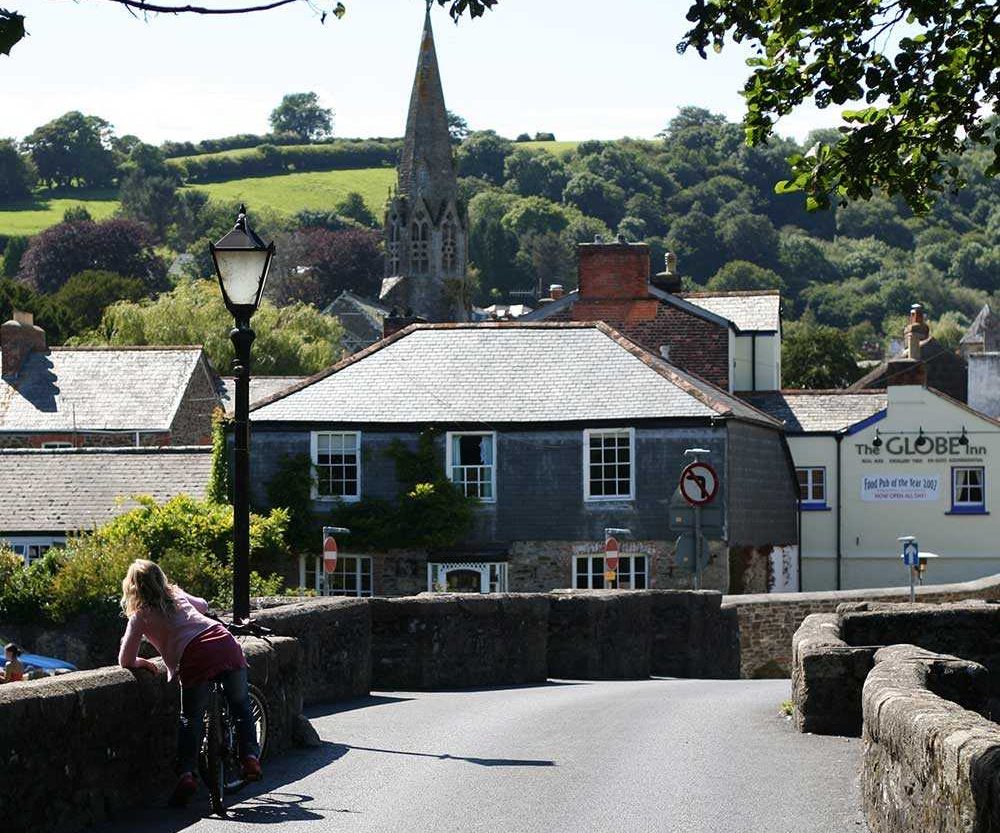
{"x":877,"y":465}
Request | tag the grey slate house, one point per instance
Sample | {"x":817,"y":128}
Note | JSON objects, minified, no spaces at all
{"x":47,"y":494}
{"x":101,"y":396}
{"x":560,"y":430}
{"x":363,"y":320}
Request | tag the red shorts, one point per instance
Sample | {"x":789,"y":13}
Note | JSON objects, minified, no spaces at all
{"x":209,"y":654}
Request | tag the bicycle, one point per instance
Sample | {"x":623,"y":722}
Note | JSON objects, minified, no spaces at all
{"x":219,"y":760}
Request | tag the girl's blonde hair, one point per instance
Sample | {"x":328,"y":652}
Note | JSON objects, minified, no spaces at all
{"x":145,"y":586}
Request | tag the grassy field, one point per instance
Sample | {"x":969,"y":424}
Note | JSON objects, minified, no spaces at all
{"x":558,"y":148}
{"x":286,"y":193}
{"x":26,"y":218}
{"x":321,"y":190}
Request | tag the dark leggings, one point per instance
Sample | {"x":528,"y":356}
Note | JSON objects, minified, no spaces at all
{"x":194,"y":702}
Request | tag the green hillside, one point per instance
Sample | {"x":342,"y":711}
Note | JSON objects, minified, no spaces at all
{"x":557,"y":148}
{"x":25,"y":218}
{"x":286,"y":194}
{"x":289,"y":193}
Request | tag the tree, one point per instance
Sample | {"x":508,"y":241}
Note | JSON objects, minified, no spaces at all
{"x":816,"y":357}
{"x":301,"y":115}
{"x":292,"y":340}
{"x":148,"y":191}
{"x":596,"y":197}
{"x":925,"y":70}
{"x":354,"y":207}
{"x":458,"y":128}
{"x":740,"y":275}
{"x":85,"y":296}
{"x":12,"y":254}
{"x":535,"y":173}
{"x":493,"y":246}
{"x":17,"y":173}
{"x":748,"y":237}
{"x":73,"y":149}
{"x":121,"y":246}
{"x":483,"y":154}
{"x":535,"y":215}
{"x":315,"y":265}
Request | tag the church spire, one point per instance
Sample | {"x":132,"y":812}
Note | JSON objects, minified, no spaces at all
{"x":426,"y":168}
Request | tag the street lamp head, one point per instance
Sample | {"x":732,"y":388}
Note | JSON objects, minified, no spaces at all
{"x":242,"y":260}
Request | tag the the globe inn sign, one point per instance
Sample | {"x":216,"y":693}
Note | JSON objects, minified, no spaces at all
{"x":923,"y":446}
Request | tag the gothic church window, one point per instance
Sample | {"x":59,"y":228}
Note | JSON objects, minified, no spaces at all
{"x":449,"y":244}
{"x":420,"y":234}
{"x":394,"y":245}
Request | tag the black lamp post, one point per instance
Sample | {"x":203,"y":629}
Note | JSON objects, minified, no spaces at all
{"x":241,"y":261}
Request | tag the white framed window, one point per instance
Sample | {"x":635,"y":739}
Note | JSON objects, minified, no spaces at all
{"x":31,"y":549}
{"x":483,"y":577}
{"x":631,"y":574}
{"x":812,"y":485}
{"x":608,"y":464}
{"x":336,"y":458}
{"x":470,"y":457}
{"x":968,"y":489}
{"x":352,"y":577}
{"x":57,"y":444}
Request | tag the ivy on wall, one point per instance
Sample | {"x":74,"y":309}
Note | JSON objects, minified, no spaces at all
{"x":429,"y":511}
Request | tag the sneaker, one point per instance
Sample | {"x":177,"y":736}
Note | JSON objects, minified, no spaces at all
{"x":251,"y":768}
{"x":186,"y":787}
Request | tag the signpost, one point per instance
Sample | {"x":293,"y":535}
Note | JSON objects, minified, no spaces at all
{"x":699,"y":484}
{"x":330,"y":550}
{"x":911,"y":558}
{"x":611,"y":550}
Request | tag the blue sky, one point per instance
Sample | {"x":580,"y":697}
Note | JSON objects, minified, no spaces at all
{"x":572,"y":67}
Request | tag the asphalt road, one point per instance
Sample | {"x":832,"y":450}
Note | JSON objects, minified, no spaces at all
{"x":656,"y":755}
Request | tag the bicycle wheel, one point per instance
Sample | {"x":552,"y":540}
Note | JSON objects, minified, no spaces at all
{"x":214,"y":759}
{"x":258,"y":711}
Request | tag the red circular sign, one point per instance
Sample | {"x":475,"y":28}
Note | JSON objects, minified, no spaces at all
{"x":329,"y":554}
{"x":699,"y":483}
{"x":611,"y":553}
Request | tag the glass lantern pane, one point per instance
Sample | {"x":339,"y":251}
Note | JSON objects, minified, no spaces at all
{"x":242,"y":273}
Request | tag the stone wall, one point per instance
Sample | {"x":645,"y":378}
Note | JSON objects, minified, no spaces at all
{"x":833,"y":653}
{"x":929,"y":762}
{"x":768,"y":621}
{"x":335,"y":635}
{"x":827,"y":678}
{"x":83,"y":748}
{"x":458,"y":640}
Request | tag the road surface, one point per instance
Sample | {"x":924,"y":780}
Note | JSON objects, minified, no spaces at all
{"x":684,"y":756}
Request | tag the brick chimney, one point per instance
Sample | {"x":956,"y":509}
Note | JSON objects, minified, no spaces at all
{"x":613,"y":270}
{"x":910,"y":370}
{"x":18,"y":337}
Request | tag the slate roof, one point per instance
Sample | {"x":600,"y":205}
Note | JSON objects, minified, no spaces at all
{"x":984,"y":326}
{"x":806,"y":411}
{"x":749,"y":311}
{"x":497,"y":372}
{"x":261,"y":388}
{"x":947,"y":371}
{"x":97,"y":389}
{"x":76,"y":489}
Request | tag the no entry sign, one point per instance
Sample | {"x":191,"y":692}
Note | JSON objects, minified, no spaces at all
{"x":611,"y":553}
{"x":699,"y":483}
{"x":329,"y":552}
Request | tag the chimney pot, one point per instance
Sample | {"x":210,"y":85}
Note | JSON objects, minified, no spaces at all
{"x":18,"y":337}
{"x":555,"y":291}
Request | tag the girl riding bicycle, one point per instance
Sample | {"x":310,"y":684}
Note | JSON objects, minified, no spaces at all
{"x":197,"y":650}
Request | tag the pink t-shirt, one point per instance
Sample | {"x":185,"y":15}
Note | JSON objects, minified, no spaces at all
{"x":170,"y":635}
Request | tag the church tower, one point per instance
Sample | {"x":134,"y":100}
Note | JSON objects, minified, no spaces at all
{"x":426,"y":228}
